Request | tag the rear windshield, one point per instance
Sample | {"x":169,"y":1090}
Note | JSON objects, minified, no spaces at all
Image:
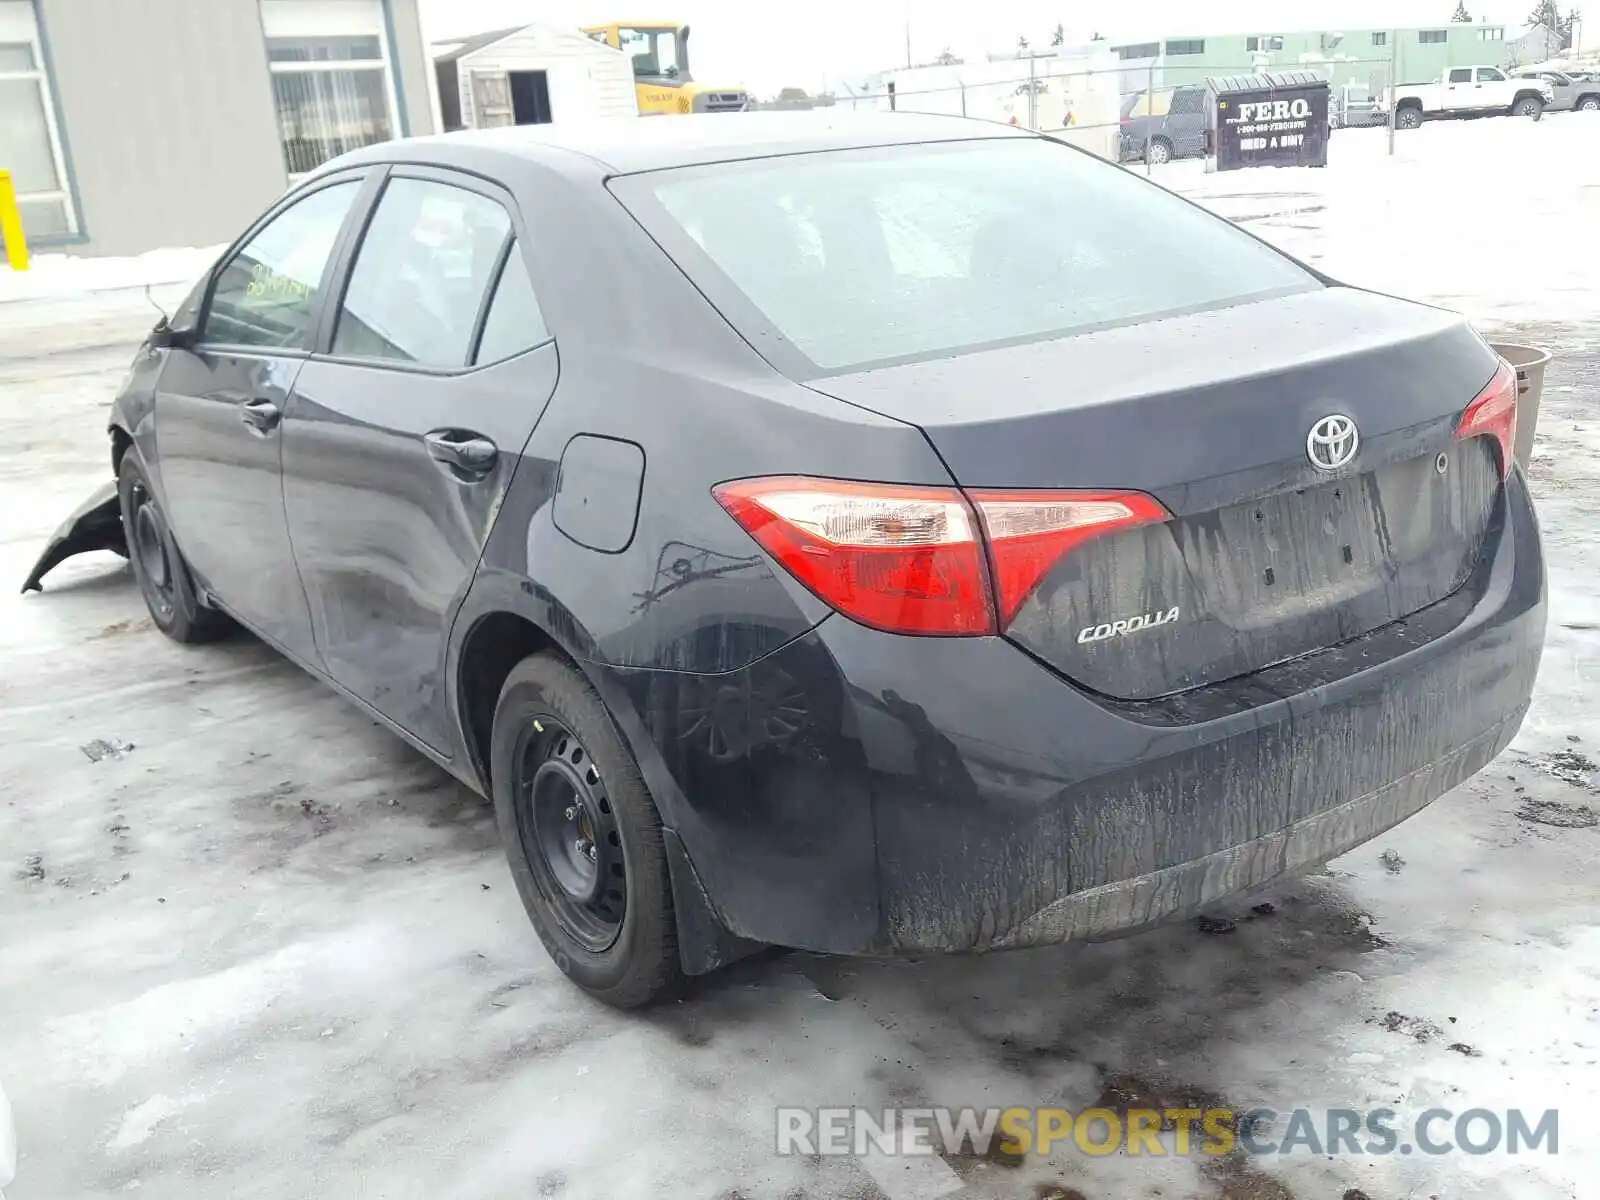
{"x":847,"y":259}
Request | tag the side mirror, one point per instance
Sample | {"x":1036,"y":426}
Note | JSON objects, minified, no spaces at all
{"x":169,"y":336}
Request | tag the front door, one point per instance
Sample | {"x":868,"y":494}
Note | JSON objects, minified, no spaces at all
{"x":219,"y":411}
{"x":400,"y":442}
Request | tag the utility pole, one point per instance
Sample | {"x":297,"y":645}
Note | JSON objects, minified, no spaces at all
{"x":1033,"y":94}
{"x":1149,"y":107}
{"x":1394,"y":83}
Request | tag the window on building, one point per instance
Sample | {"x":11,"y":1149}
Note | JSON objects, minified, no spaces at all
{"x":1140,"y":50}
{"x":1427,"y":36}
{"x":30,"y":143}
{"x":266,"y":294}
{"x":514,"y":323}
{"x":422,"y":272}
{"x":1269,"y":42}
{"x":1187,"y":46}
{"x":332,"y":81}
{"x":1380,"y":39}
{"x":1495,"y":34}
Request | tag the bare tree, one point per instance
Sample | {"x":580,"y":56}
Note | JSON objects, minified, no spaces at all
{"x":1548,"y":14}
{"x":1462,"y":16}
{"x":947,"y":59}
{"x":1059,"y":37}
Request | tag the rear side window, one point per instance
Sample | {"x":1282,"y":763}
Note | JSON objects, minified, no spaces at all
{"x":266,"y":294}
{"x":864,"y":257}
{"x":514,"y":323}
{"x":421,"y":274}
{"x":1188,"y":101}
{"x":1461,"y":75}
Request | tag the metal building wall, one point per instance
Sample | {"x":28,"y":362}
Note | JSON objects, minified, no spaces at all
{"x":167,"y":110}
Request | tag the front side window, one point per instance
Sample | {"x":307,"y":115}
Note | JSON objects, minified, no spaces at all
{"x":421,"y":274}
{"x":332,"y":86}
{"x":29,"y":145}
{"x":656,"y":53}
{"x":900,"y":253}
{"x":266,"y":294}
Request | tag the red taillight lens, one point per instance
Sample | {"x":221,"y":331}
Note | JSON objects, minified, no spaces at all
{"x":903,"y":559}
{"x":1494,"y":414}
{"x":1029,"y":532}
{"x":912,"y":559}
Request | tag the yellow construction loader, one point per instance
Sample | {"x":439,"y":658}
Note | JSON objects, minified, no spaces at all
{"x":660,"y":53}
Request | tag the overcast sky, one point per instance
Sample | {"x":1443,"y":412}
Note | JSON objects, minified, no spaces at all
{"x":768,"y":44}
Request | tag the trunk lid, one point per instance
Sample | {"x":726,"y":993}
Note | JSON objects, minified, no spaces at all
{"x":1267,"y":556}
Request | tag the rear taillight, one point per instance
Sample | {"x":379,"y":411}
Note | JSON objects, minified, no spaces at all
{"x":1494,"y":414}
{"x":1029,"y":532}
{"x":913,"y":559}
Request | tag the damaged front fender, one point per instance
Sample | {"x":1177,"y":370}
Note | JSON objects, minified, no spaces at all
{"x":96,"y":524}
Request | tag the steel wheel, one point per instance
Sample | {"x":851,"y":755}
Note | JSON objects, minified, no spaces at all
{"x":569,"y":834}
{"x":149,"y":541}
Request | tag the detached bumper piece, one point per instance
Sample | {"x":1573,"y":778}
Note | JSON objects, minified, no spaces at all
{"x":96,"y":524}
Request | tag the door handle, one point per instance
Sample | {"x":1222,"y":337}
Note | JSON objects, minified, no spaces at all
{"x":462,"y":450}
{"x":261,"y":415}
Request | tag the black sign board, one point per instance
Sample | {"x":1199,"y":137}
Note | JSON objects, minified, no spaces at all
{"x":1272,"y":126}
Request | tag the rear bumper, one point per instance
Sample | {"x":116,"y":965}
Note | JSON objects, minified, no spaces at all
{"x":872,"y":794}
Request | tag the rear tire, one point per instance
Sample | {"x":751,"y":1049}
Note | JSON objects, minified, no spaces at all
{"x":1160,"y":151}
{"x":582,"y":835}
{"x":158,"y":565}
{"x":1409,"y":117}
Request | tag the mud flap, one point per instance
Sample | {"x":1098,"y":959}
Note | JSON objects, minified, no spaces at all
{"x":96,"y":524}
{"x":704,"y":942}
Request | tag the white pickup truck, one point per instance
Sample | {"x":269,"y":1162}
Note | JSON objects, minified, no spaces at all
{"x":1469,"y":92}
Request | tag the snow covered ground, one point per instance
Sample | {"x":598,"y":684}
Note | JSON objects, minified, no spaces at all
{"x":251,"y":945}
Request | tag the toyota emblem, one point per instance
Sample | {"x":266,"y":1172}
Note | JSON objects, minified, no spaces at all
{"x":1332,"y":442}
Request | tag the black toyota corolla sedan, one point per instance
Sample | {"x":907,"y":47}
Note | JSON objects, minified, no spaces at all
{"x":877,"y":535}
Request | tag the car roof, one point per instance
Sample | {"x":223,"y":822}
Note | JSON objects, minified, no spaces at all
{"x":624,"y":145}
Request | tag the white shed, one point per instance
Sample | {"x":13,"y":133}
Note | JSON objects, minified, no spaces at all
{"x":532,"y":75}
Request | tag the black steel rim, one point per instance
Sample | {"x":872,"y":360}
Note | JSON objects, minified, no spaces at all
{"x":150,"y":543}
{"x":569,"y":834}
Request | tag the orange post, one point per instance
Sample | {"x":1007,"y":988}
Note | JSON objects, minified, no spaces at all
{"x":11,"y":224}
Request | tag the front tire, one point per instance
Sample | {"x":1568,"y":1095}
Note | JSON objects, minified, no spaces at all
{"x":1589,"y":104}
{"x":582,"y":835}
{"x":1527,"y":107}
{"x":158,"y":566}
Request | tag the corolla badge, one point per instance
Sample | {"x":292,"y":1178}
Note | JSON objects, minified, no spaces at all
{"x":1332,"y":442}
{"x":1122,"y":628}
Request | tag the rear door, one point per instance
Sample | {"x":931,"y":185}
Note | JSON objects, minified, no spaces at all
{"x":403,"y":433}
{"x":219,"y":408}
